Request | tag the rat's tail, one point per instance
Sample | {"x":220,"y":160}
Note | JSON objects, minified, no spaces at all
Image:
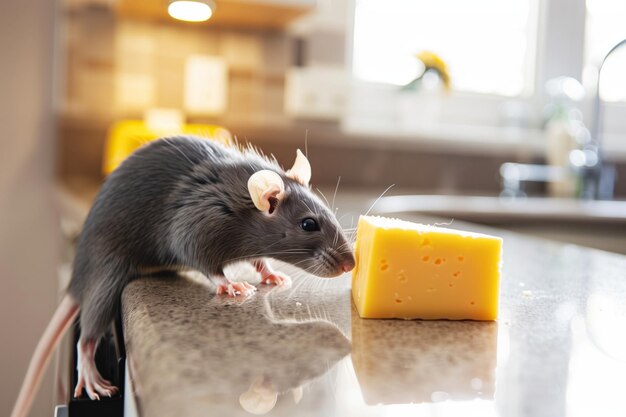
{"x":61,"y":320}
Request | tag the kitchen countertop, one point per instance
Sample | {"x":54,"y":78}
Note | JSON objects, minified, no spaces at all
{"x":557,"y":349}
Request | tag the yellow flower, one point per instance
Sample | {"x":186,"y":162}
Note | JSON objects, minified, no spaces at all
{"x":434,"y":62}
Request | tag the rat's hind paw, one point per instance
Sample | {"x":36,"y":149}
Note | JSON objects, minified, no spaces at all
{"x":88,"y":375}
{"x":235,"y":289}
{"x":276,"y":278}
{"x":90,"y":379}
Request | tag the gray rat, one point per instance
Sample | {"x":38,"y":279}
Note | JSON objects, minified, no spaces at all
{"x":179,"y":203}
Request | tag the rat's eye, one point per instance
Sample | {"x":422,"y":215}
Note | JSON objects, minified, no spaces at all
{"x":309,"y":225}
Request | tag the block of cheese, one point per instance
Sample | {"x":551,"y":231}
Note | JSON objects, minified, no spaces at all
{"x":409,"y":270}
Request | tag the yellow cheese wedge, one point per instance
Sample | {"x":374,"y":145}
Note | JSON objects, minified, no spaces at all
{"x":408,"y":270}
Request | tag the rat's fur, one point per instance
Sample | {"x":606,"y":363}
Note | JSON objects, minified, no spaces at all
{"x":184,"y":202}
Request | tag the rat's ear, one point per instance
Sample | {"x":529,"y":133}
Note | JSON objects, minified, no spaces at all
{"x":266,"y":188}
{"x":301,"y":169}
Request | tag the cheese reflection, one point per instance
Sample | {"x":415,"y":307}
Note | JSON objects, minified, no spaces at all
{"x":401,"y":362}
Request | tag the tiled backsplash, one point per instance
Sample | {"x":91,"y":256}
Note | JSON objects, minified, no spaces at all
{"x":115,"y":68}
{"x":118,"y":67}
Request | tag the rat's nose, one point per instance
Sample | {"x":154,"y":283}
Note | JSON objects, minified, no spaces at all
{"x":348,"y":264}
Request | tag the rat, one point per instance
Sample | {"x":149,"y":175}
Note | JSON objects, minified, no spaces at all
{"x":187,"y":203}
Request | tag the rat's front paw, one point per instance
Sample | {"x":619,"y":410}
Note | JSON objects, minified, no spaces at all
{"x":235,"y":289}
{"x":276,"y":278}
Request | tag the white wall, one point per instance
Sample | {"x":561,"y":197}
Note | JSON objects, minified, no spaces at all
{"x":28,"y":219}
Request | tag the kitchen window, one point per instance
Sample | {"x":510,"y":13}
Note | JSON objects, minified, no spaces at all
{"x":387,"y":35}
{"x":500,"y":56}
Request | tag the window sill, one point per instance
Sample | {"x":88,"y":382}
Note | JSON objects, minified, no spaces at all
{"x":493,"y":140}
{"x":458,"y":138}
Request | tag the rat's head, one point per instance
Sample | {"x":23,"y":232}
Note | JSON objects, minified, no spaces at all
{"x":297,"y":227}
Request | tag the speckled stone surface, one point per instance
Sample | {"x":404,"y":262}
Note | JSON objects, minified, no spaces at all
{"x":194,"y":353}
{"x":558,"y":348}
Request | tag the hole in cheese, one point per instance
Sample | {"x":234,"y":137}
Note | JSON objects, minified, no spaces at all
{"x":384,"y":265}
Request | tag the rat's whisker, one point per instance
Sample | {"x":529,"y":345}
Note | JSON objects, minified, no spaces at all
{"x":268,"y":254}
{"x":307,"y":206}
{"x":378,"y":199}
{"x":335,"y":195}
{"x":322,"y":194}
{"x":347,"y":245}
{"x":342,"y":216}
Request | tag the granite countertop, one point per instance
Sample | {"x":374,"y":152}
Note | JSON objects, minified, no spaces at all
{"x":558,"y":348}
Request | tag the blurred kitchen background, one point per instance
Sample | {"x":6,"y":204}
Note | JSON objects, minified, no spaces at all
{"x":486,"y":111}
{"x":480,"y":99}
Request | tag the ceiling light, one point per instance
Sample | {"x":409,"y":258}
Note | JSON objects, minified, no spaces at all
{"x":191,"y":10}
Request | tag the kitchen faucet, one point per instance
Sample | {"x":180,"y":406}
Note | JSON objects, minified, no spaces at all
{"x":597,"y":176}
